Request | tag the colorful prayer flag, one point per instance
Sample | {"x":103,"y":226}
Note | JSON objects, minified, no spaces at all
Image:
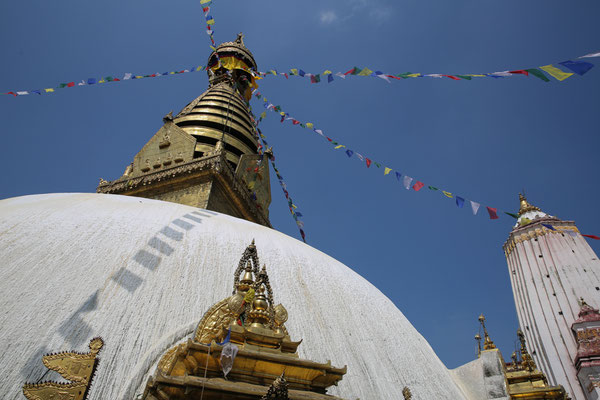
{"x":349,"y":152}
{"x":386,"y":170}
{"x":556,"y":73}
{"x":418,"y":186}
{"x":447,"y":194}
{"x":406,"y":181}
{"x":492,"y":212}
{"x":432,"y":188}
{"x":365,"y":72}
{"x":474,"y":207}
{"x":398,"y":175}
{"x":460,"y":202}
{"x":515,"y":216}
{"x":538,"y":74}
{"x":549,"y":227}
{"x":579,"y":67}
{"x":591,"y":236}
{"x":368,"y":162}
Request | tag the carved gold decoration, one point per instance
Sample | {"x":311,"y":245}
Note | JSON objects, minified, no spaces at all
{"x":525,"y":206}
{"x":249,"y":320}
{"x":406,"y":393}
{"x":76,"y":367}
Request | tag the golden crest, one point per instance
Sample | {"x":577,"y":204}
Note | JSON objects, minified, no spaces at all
{"x":73,"y":366}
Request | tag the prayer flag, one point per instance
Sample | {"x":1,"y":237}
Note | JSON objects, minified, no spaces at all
{"x":520,"y":71}
{"x":377,"y":164}
{"x":474,"y":207}
{"x":356,"y":71}
{"x":579,"y":67}
{"x":205,"y":1}
{"x":329,"y":78}
{"x":365,"y":72}
{"x":263,"y":114}
{"x":309,"y":125}
{"x":591,"y":55}
{"x":406,"y":181}
{"x":295,"y":122}
{"x":465,"y":77}
{"x":349,"y":152}
{"x":339,"y":146}
{"x":340,"y":75}
{"x":447,"y":194}
{"x":315,"y":78}
{"x":70,"y":84}
{"x":515,"y":216}
{"x":320,"y":132}
{"x":418,"y":186}
{"x":210,"y":21}
{"x":591,"y":236}
{"x":452,"y":77}
{"x":22,"y":93}
{"x":368,"y":162}
{"x":14,"y":94}
{"x":398,"y":175}
{"x":555,"y":72}
{"x":386,"y":170}
{"x":460,"y":202}
{"x":91,"y":81}
{"x":293,"y":71}
{"x":492,"y":212}
{"x":301,"y":73}
{"x":432,"y":188}
{"x":327,"y":72}
{"x":47,"y":90}
{"x":549,"y":227}
{"x":360,"y":156}
{"x":36,"y":91}
{"x":299,"y":214}
{"x":538,"y":74}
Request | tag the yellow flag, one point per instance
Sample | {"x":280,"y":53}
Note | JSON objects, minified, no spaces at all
{"x":327,"y":72}
{"x":309,"y":125}
{"x":477,"y":75}
{"x":199,"y":68}
{"x":293,"y":205}
{"x":294,"y":71}
{"x":413,"y":75}
{"x":555,"y":72}
{"x":251,"y":185}
{"x":49,"y":90}
{"x":387,"y":170}
{"x":447,"y":194}
{"x":365,"y":72}
{"x":282,"y":113}
{"x":339,"y":146}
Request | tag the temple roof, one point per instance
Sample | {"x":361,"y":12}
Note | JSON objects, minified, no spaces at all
{"x":528,"y":212}
{"x":140,"y":273}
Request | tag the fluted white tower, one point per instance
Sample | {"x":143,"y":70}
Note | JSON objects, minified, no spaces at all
{"x":551,"y":266}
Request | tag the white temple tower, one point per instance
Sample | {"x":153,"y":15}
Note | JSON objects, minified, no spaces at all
{"x":551,"y":266}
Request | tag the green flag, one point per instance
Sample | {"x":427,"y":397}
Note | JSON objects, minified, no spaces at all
{"x":465,"y":77}
{"x":539,"y":74}
{"x":432,"y":188}
{"x":356,"y":71}
{"x":515,"y":216}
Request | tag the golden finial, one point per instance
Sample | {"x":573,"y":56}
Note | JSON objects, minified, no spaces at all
{"x":487,"y":342}
{"x":525,"y":356}
{"x":525,"y":206}
{"x":240,"y":39}
{"x":478,"y":339}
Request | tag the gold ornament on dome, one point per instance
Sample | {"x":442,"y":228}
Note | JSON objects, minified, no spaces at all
{"x":76,"y":367}
{"x":525,"y":206}
{"x":250,"y":321}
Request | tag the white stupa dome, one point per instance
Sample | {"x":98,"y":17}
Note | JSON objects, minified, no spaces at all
{"x":141,"y":273}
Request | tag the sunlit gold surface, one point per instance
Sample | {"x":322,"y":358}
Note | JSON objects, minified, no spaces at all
{"x":75,"y":367}
{"x":256,"y":325}
{"x":525,"y":206}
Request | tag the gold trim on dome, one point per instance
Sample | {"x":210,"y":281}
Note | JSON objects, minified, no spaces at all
{"x":76,"y":367}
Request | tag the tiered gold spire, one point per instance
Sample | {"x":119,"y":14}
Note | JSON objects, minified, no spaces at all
{"x":488,"y":344}
{"x":525,"y":206}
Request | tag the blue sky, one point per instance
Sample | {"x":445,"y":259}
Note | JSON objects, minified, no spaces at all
{"x":485,"y":139}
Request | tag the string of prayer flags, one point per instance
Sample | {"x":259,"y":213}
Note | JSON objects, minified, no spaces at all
{"x":570,"y":232}
{"x":94,"y":81}
{"x":404,"y":179}
{"x":577,"y":67}
{"x":210,"y":21}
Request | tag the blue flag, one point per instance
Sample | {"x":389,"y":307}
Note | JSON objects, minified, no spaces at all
{"x":91,"y":81}
{"x":460,"y":202}
{"x":301,"y":73}
{"x":349,"y":152}
{"x":329,"y":78}
{"x":579,"y":67}
{"x":549,"y":227}
{"x":398,"y":175}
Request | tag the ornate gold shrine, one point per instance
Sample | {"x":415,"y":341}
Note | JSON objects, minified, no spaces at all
{"x":525,"y":381}
{"x":266,"y":354}
{"x":76,"y":367}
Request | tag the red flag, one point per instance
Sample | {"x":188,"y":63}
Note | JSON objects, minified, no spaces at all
{"x":417,"y":186}
{"x":520,"y":71}
{"x":330,"y":139}
{"x":70,"y":84}
{"x":286,"y":75}
{"x":13,"y":93}
{"x":492,"y":212}
{"x":295,"y":122}
{"x":451,"y":77}
{"x":591,"y":236}
{"x":117,"y":80}
{"x":368,"y":162}
{"x":394,"y":77}
{"x":349,"y":72}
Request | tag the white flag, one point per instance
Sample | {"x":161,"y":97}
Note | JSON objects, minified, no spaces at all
{"x":128,"y":75}
{"x":383,"y":76}
{"x":434,"y":75}
{"x":591,"y":55}
{"x":320,"y":132}
{"x":359,"y":156}
{"x":228,"y":354}
{"x":502,"y":73}
{"x":23,"y":93}
{"x":474,"y":207}
{"x":406,"y":180}
{"x":341,"y":75}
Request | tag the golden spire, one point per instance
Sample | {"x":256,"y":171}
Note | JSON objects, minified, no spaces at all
{"x":525,"y":206}
{"x":487,"y":342}
{"x":527,"y":359}
{"x":478,"y":338}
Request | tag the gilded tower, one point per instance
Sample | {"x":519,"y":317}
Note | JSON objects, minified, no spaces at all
{"x":207,"y":155}
{"x":551,"y":266}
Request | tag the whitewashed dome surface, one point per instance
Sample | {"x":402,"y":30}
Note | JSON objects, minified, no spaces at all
{"x":141,"y":273}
